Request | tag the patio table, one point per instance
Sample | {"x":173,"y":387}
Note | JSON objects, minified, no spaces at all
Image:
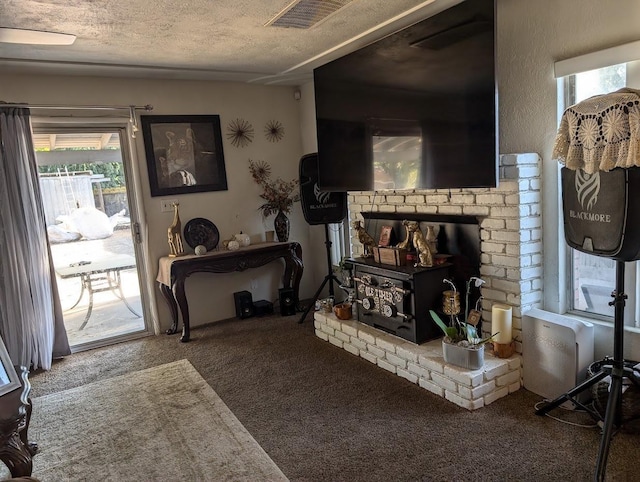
{"x":97,"y":276}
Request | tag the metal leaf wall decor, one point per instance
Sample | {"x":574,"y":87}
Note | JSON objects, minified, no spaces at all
{"x":240,"y":132}
{"x":274,"y":131}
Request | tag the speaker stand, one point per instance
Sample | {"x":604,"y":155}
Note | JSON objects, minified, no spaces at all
{"x":613,"y":367}
{"x":330,"y":277}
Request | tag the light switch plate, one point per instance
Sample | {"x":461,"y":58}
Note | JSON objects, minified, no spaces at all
{"x":166,"y":205}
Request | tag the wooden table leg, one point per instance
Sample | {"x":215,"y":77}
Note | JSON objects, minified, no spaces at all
{"x":293,"y":271}
{"x":16,"y":455}
{"x":15,"y":410}
{"x":181,"y":298}
{"x":167,"y":294}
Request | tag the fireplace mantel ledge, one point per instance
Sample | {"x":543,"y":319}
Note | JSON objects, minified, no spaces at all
{"x":423,"y":364}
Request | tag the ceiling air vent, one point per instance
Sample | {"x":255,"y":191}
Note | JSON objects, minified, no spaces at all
{"x":306,"y":13}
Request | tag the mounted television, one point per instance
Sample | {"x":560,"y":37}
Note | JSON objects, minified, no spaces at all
{"x":414,"y":110}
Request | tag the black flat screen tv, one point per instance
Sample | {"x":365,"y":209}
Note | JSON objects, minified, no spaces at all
{"x":414,"y":110}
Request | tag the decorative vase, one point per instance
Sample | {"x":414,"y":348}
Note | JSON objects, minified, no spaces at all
{"x":281,"y":225}
{"x":469,"y":358}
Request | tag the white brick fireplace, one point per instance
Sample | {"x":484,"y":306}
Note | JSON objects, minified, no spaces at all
{"x":511,"y":265}
{"x":510,"y":231}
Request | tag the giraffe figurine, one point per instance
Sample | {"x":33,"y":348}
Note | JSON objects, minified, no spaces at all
{"x":175,"y":234}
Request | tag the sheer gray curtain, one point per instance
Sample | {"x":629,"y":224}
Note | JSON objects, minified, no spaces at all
{"x":31,"y":320}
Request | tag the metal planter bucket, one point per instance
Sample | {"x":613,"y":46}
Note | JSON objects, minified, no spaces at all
{"x":469,"y":358}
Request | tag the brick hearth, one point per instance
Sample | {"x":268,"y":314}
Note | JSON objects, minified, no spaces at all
{"x":423,"y":364}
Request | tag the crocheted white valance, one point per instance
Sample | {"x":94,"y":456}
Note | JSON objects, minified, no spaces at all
{"x":600,"y":133}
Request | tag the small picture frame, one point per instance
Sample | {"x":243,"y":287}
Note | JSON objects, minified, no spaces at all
{"x":385,"y":236}
{"x":184,"y":154}
{"x":9,"y":379}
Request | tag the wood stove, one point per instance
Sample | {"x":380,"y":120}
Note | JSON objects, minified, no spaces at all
{"x":397,"y":299}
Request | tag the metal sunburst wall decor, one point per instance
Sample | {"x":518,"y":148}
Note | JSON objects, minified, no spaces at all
{"x":274,"y":131}
{"x":240,"y":132}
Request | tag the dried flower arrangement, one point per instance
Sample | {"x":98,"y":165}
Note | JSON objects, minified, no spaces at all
{"x":278,"y":194}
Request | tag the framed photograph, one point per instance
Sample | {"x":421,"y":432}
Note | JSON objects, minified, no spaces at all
{"x":184,"y":153}
{"x":385,"y":236}
{"x":9,"y":379}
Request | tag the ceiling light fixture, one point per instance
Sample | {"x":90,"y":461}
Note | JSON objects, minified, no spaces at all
{"x":34,"y":37}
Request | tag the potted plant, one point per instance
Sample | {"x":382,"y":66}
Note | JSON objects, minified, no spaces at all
{"x":279,"y":196}
{"x":461,"y":344}
{"x":343,"y":271}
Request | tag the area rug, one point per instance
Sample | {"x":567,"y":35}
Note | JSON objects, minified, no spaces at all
{"x":162,"y":423}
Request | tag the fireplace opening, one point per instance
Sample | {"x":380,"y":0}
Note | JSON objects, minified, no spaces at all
{"x":396,"y":298}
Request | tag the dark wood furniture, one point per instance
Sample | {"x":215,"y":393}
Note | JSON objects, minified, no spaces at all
{"x":15,"y":413}
{"x":173,"y":272}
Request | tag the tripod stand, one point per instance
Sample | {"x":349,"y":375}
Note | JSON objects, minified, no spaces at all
{"x":616,"y":369}
{"x":330,"y":277}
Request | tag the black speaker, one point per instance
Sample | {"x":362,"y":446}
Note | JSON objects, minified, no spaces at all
{"x":263,"y":307}
{"x":287,"y":301}
{"x":319,"y":207}
{"x":244,"y":304}
{"x":601,"y":212}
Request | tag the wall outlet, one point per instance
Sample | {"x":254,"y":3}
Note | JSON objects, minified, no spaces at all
{"x":166,"y":205}
{"x":254,"y":284}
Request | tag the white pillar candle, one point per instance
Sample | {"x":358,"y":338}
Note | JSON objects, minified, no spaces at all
{"x":501,"y":322}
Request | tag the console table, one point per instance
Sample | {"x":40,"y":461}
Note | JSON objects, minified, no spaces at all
{"x":15,"y":413}
{"x":173,"y":271}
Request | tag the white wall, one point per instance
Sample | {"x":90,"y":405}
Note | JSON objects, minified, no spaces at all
{"x":531,"y":36}
{"x":210,"y":296}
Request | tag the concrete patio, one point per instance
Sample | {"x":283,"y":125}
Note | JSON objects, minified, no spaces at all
{"x":110,"y":316}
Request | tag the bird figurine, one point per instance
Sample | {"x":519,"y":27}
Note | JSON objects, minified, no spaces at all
{"x":365,"y":239}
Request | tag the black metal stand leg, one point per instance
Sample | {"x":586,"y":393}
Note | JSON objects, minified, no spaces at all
{"x":613,"y":414}
{"x":612,"y":417}
{"x":578,"y":389}
{"x":329,"y":278}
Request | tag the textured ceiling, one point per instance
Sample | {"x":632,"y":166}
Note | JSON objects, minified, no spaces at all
{"x":197,"y":39}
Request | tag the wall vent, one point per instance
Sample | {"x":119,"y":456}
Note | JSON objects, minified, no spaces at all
{"x":306,"y":13}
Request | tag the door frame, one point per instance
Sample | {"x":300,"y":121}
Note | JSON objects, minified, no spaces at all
{"x":57,"y":125}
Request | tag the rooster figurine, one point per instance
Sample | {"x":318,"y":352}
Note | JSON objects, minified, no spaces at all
{"x":365,"y":239}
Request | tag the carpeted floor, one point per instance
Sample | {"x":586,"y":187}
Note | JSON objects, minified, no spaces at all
{"x":123,"y":428}
{"x":322,"y":414}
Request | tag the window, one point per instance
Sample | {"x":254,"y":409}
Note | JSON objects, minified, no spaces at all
{"x":591,"y":279}
{"x":338,"y":245}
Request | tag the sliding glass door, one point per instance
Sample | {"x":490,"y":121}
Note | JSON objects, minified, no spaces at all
{"x":93,"y":232}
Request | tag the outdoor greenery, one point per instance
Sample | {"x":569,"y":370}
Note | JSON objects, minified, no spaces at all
{"x":113,"y":170}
